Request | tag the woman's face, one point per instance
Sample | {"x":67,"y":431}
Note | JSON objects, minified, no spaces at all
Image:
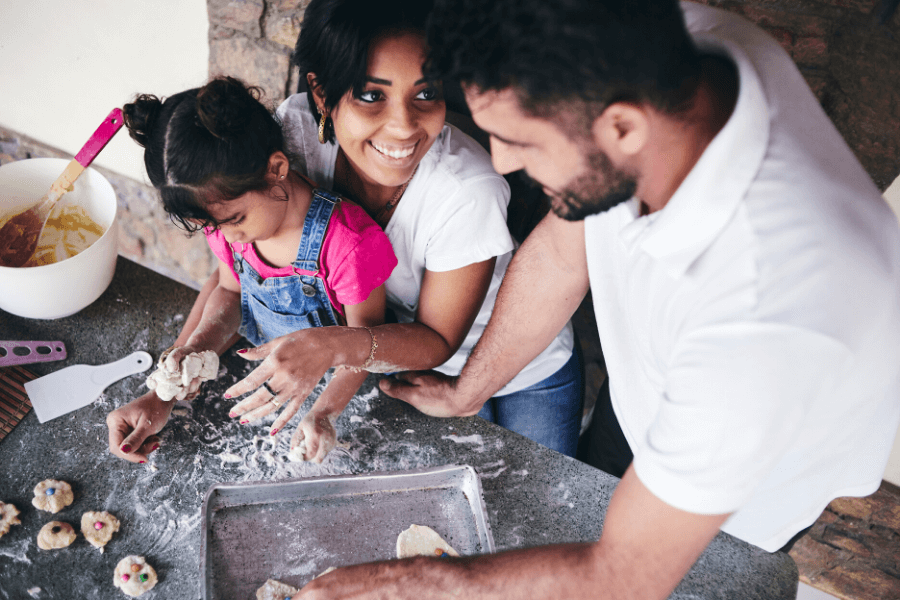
{"x":388,"y":128}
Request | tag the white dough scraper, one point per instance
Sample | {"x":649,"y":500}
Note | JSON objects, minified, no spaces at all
{"x":77,"y":386}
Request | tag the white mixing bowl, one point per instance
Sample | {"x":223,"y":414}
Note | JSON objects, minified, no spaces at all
{"x":59,"y":289}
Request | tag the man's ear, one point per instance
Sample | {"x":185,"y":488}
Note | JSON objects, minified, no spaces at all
{"x":318,"y":92}
{"x":622,"y":130}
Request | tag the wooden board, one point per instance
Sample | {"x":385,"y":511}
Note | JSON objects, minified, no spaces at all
{"x":14,"y":402}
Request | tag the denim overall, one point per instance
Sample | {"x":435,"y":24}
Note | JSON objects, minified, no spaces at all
{"x":277,"y":306}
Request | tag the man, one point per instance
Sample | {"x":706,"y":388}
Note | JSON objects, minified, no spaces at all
{"x":745,"y":274}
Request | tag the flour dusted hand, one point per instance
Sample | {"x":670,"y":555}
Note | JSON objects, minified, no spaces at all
{"x":179,"y":376}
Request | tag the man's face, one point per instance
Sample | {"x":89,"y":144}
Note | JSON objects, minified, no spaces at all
{"x":578,"y":177}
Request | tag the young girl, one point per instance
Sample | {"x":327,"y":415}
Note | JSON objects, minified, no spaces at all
{"x":292,"y":256}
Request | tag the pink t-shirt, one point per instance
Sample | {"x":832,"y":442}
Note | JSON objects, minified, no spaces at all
{"x":356,"y":256}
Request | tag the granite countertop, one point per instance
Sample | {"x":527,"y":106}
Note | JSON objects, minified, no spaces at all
{"x":533,"y":495}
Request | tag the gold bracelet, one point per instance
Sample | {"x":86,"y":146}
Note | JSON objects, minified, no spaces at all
{"x":371,"y":358}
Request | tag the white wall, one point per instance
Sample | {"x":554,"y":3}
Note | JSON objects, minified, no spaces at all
{"x":64,"y":64}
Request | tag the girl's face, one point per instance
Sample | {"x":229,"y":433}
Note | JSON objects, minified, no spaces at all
{"x":253,"y":217}
{"x":388,"y":128}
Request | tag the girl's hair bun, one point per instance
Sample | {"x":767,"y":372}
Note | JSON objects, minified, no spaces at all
{"x":141,"y":117}
{"x":225,"y":107}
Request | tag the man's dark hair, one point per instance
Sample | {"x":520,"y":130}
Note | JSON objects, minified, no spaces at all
{"x":335,"y":38}
{"x":595,"y":52}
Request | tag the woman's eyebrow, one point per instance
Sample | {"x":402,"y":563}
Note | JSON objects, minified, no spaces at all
{"x":389,"y":83}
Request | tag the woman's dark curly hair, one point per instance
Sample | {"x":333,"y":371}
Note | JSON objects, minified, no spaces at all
{"x":550,"y":52}
{"x":335,"y":38}
{"x":204,"y":146}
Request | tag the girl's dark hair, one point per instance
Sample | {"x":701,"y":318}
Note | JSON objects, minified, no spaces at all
{"x":335,"y":38}
{"x":550,"y":52}
{"x":204,"y":145}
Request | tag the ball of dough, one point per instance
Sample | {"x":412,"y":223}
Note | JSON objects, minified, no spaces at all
{"x":134,"y":576}
{"x":275,"y":590}
{"x":420,"y":540}
{"x":8,"y":517}
{"x":54,"y":535}
{"x":52,"y":495}
{"x":98,"y":527}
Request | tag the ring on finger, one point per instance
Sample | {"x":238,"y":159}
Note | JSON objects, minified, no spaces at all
{"x":269,"y":389}
{"x":275,"y":401}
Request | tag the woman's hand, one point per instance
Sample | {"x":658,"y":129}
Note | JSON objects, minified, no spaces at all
{"x":315,"y":436}
{"x":133,"y":427}
{"x":292,"y":366}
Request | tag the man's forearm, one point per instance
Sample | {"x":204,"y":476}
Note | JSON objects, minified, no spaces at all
{"x":543,"y":286}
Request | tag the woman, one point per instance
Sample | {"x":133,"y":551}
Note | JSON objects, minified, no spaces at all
{"x":372,"y":126}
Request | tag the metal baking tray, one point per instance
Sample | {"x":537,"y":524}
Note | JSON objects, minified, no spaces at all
{"x":293,"y":530}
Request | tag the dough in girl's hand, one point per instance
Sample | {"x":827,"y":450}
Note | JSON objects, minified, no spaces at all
{"x":419,"y":540}
{"x":195,"y":368}
{"x":52,"y":495}
{"x":134,"y":576}
{"x":98,"y":527}
{"x":8,"y":516}
{"x":54,"y":535}
{"x":275,"y":590}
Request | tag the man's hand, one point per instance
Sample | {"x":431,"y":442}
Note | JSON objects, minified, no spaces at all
{"x":431,"y":392}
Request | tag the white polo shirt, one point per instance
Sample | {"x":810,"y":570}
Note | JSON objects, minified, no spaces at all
{"x":751,"y":328}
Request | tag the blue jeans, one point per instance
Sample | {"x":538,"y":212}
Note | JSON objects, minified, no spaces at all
{"x":548,"y":412}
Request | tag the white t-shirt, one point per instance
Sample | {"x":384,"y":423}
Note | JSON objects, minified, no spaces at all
{"x":453,"y":214}
{"x":751,"y":327}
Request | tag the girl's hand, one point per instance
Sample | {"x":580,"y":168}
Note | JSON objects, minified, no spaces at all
{"x":133,"y":427}
{"x":292,"y":366}
{"x":315,"y":436}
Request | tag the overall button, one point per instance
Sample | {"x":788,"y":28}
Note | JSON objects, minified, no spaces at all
{"x":309,"y":290}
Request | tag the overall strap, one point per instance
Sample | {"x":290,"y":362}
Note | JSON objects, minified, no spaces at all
{"x":315,"y":226}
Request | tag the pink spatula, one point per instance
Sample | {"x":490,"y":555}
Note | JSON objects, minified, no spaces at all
{"x":19,"y":236}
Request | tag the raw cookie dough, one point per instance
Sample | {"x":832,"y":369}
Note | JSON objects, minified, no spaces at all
{"x":54,"y":535}
{"x":419,"y":540}
{"x":195,"y":368}
{"x":134,"y":576}
{"x":52,"y":495}
{"x":275,"y":590}
{"x":99,"y":527}
{"x":8,"y":517}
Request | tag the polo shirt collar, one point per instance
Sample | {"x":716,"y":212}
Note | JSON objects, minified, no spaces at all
{"x":710,"y":194}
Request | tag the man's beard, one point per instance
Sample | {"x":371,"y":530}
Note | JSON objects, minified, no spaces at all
{"x":599,"y":189}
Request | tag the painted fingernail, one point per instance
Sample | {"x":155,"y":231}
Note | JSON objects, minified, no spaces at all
{"x":143,"y":461}
{"x":244,"y":351}
{"x":155,"y":447}
{"x":243,"y":422}
{"x":232,"y":414}
{"x":227,"y":396}
{"x":126,"y":448}
{"x":273,"y":432}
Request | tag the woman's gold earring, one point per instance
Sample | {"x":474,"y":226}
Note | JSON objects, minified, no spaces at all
{"x":322,"y":129}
